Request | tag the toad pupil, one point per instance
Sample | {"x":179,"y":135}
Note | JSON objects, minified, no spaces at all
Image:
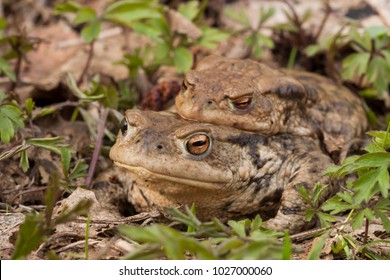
{"x":124,"y":126}
{"x":199,"y":143}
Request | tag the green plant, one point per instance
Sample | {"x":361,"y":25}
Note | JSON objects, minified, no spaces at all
{"x":173,"y":35}
{"x":11,"y":119}
{"x":366,"y":197}
{"x":14,"y":46}
{"x":369,"y":66}
{"x":244,"y":239}
{"x":256,"y":38}
{"x":38,"y":226}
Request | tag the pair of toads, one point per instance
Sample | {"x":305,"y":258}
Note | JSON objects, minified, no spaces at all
{"x":245,"y":136}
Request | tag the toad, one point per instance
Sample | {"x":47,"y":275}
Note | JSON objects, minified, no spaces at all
{"x":226,"y":172}
{"x":253,"y":96}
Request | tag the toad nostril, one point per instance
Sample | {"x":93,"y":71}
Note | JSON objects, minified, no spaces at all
{"x":159,"y":146}
{"x":209,"y":102}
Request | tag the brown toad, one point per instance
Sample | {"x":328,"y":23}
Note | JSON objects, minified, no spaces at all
{"x":226,"y":172}
{"x":252,"y":96}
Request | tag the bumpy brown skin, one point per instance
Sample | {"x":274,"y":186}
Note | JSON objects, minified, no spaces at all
{"x":238,"y":174}
{"x":282,"y":101}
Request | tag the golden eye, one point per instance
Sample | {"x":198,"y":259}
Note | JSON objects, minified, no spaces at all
{"x":198,"y":144}
{"x":242,"y":103}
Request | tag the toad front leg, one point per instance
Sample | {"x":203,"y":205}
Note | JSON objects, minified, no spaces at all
{"x":306,"y":171}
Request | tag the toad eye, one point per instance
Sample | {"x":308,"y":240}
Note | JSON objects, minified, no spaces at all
{"x":242,"y":103}
{"x":124,"y":126}
{"x":198,"y":144}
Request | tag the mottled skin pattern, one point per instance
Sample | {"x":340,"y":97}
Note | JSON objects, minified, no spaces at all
{"x":280,"y":101}
{"x":237,"y":174}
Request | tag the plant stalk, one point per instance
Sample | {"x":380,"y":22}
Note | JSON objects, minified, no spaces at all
{"x":96,"y":152}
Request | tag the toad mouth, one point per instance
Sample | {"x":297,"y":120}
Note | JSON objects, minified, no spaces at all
{"x":146,"y":173}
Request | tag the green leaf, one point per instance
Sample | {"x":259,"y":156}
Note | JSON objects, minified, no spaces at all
{"x":211,"y":37}
{"x":287,"y":247}
{"x":238,"y":227}
{"x":10,"y":120}
{"x":188,"y":219}
{"x":358,"y":220}
{"x":4,"y":68}
{"x":374,"y":147}
{"x":384,"y":218}
{"x":265,"y":41}
{"x":85,"y":15}
{"x":364,"y":185}
{"x":339,"y":244}
{"x":306,"y":16}
{"x":355,"y":65}
{"x":312,"y":50}
{"x":111,"y":99}
{"x":24,"y":164}
{"x":383,"y":204}
{"x":78,"y":170}
{"x":363,"y":40}
{"x":67,"y":7}
{"x":147,"y":234}
{"x":162,"y":50}
{"x":335,"y":205}
{"x":183,"y":59}
{"x":378,"y":72}
{"x":309,"y":214}
{"x":238,"y":15}
{"x":266,"y":14}
{"x":229,"y":244}
{"x":29,"y":105}
{"x":384,"y":181}
{"x":30,"y":236}
{"x":256,"y":223}
{"x":189,"y":9}
{"x":6,"y":129}
{"x":316,"y":249}
{"x":304,"y":194}
{"x":325,"y":219}
{"x":368,"y":213}
{"x":317,"y":193}
{"x":91,"y":31}
{"x":3,"y":23}
{"x":373,"y":160}
{"x":50,"y":144}
{"x":126,"y":12}
{"x":148,"y":30}
{"x":376,"y":31}
{"x":65,"y":160}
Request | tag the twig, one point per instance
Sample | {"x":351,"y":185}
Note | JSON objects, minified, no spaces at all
{"x":131,"y":219}
{"x":298,"y":23}
{"x":60,"y":105}
{"x":328,"y":11}
{"x":76,"y":244}
{"x":34,"y":190}
{"x":87,"y":64}
{"x":313,"y":232}
{"x":96,"y":152}
{"x":365,"y":236}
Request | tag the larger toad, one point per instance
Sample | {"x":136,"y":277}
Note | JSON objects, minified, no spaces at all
{"x":252,"y":96}
{"x":226,"y":172}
